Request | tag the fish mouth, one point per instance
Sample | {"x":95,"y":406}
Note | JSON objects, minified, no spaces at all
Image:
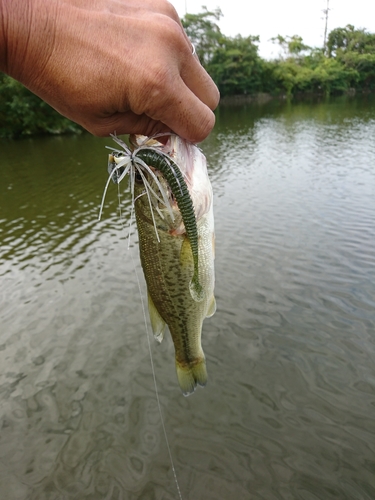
{"x":191,"y":162}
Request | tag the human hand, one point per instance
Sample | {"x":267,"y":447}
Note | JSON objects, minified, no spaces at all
{"x":123,"y":66}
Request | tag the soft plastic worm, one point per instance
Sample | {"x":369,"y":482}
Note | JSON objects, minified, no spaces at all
{"x":176,"y":181}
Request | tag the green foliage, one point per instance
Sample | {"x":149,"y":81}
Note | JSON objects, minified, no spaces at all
{"x":284,"y":75}
{"x":329,"y":76}
{"x":348,"y":39}
{"x":22,"y":113}
{"x":364,"y":67}
{"x":291,"y":45}
{"x":236,"y":66}
{"x":237,"y":69}
{"x":354,"y":49}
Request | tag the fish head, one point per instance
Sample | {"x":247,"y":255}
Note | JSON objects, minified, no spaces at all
{"x":192,"y":164}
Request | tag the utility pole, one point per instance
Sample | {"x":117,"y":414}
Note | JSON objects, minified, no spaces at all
{"x":325,"y":12}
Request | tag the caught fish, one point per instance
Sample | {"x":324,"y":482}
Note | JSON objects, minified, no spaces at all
{"x":172,"y":198}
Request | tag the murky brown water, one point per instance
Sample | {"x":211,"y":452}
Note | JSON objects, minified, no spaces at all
{"x":289,"y":410}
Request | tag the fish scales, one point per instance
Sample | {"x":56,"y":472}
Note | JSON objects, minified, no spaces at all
{"x":167,"y":283}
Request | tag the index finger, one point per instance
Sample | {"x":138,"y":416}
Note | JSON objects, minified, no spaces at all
{"x":186,"y":114}
{"x":199,"y":81}
{"x":192,"y":72}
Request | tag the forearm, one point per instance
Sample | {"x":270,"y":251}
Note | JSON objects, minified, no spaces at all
{"x":23,"y":42}
{"x":3,"y":37}
{"x":13,"y":24}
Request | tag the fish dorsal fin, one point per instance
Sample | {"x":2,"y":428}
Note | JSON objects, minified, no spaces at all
{"x":157,"y":322}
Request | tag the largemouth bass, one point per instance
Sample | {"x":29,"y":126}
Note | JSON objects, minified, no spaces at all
{"x":176,"y":241}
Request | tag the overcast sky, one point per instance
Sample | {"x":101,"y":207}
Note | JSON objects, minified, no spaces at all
{"x":268,"y":18}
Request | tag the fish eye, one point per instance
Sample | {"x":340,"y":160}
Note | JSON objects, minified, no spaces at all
{"x":138,"y":178}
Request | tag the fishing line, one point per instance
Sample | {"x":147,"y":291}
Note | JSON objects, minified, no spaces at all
{"x":148,"y":341}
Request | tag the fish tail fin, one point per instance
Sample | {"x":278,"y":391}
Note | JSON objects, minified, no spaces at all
{"x":191,"y":374}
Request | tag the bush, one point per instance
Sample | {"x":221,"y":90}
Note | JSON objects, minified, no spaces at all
{"x":22,"y":113}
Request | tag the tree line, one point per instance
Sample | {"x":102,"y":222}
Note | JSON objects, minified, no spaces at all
{"x":346,"y":62}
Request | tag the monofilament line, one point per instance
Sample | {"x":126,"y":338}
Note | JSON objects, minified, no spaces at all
{"x":149,"y":347}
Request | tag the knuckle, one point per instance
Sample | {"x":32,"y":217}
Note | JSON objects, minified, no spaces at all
{"x":170,"y":33}
{"x":168,"y":9}
{"x":152,"y":94}
{"x":206,"y":125}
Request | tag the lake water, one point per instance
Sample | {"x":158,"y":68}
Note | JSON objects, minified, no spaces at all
{"x":289,"y":409}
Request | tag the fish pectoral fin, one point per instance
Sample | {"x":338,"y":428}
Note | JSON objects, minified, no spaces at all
{"x":211,"y":308}
{"x":157,"y":322}
{"x":186,"y":254}
{"x":187,"y":259}
{"x":196,"y":290}
{"x":191,"y":374}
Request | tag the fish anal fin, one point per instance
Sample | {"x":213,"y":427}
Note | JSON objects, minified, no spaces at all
{"x":157,"y":322}
{"x":211,"y":308}
{"x":190,"y":375}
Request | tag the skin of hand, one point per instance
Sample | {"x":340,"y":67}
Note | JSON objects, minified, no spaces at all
{"x":123,"y":66}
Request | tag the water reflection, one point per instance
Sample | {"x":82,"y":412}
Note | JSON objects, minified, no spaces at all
{"x":288,"y":411}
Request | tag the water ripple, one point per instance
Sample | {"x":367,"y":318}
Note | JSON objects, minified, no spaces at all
{"x":288,"y":410}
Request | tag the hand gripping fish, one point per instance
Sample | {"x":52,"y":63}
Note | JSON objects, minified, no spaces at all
{"x":172,"y":198}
